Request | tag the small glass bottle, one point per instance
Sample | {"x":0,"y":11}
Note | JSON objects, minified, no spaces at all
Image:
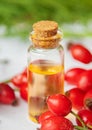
{"x":45,"y":66}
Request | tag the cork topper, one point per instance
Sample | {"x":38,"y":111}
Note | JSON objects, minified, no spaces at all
{"x":45,"y":34}
{"x":45,"y":28}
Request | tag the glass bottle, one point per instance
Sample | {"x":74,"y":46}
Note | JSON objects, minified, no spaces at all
{"x":45,"y":66}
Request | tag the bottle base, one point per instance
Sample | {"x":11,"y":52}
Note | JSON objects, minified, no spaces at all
{"x":34,"y":118}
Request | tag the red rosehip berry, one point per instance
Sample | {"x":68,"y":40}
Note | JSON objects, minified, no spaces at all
{"x":7,"y":95}
{"x":76,"y":96}
{"x":59,"y":104}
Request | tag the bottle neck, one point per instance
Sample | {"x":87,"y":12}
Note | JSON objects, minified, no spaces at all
{"x":46,"y":43}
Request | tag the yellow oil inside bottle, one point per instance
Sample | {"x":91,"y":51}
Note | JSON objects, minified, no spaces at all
{"x":44,"y":78}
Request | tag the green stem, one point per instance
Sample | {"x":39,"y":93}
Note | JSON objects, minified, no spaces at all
{"x":6,"y":81}
{"x":16,"y":89}
{"x":80,"y":128}
{"x":84,"y":126}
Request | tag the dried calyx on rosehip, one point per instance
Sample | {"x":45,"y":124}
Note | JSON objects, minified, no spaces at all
{"x":88,"y":100}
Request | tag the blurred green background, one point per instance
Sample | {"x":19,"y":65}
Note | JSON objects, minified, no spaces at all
{"x":17,"y":16}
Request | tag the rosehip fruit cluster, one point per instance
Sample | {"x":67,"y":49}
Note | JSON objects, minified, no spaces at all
{"x":8,"y":88}
{"x":81,"y":94}
{"x":59,"y":106}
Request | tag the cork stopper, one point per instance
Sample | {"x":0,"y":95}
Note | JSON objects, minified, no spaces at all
{"x":45,"y":28}
{"x":45,"y":34}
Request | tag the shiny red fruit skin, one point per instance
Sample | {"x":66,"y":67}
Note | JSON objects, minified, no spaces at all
{"x":85,"y":81}
{"x":59,"y":104}
{"x":86,"y":117}
{"x":25,"y":71}
{"x":44,"y":116}
{"x":20,"y":80}
{"x":24,"y":92}
{"x":76,"y":96}
{"x":57,"y":123}
{"x":72,"y":73}
{"x":7,"y":95}
{"x":81,"y":53}
{"x":88,"y":100}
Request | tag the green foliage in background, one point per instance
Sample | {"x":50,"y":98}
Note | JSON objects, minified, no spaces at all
{"x":23,"y":13}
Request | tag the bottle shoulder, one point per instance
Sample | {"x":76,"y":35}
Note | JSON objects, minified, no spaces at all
{"x":35,"y":49}
{"x":54,"y":55}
